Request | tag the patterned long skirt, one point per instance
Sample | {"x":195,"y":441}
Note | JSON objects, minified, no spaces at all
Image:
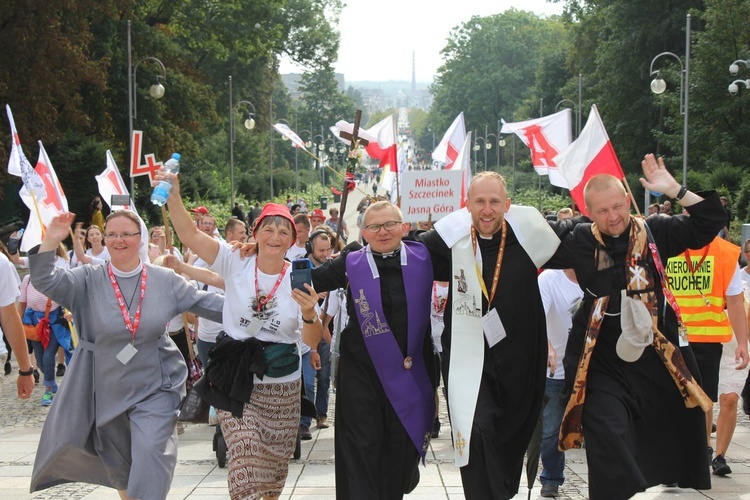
{"x":261,"y":443}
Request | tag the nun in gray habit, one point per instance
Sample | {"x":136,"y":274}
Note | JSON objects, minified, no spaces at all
{"x":113,"y":421}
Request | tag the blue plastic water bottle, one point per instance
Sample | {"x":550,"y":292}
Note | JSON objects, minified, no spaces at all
{"x":161,"y":191}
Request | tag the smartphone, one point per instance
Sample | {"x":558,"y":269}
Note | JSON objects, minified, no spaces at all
{"x":13,"y":245}
{"x":301,"y":273}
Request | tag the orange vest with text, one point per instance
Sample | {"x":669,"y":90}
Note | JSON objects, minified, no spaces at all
{"x":711,"y":272}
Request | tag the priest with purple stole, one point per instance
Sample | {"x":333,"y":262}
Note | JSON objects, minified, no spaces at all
{"x":495,"y":338}
{"x":385,"y":383}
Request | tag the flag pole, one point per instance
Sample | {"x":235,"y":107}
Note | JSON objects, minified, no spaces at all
{"x":632,"y":198}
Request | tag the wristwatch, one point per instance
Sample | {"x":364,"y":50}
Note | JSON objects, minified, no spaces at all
{"x":681,"y":193}
{"x":310,"y":321}
{"x":27,"y":373}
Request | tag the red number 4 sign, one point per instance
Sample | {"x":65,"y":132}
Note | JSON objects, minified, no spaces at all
{"x":151,"y":166}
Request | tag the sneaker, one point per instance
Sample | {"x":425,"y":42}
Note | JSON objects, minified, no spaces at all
{"x":7,"y":368}
{"x":322,"y":423}
{"x":47,"y":398}
{"x":720,"y":467}
{"x":213,"y":417}
{"x":304,"y":433}
{"x":60,"y":370}
{"x":435,"y":428}
{"x":549,"y":490}
{"x":36,"y":376}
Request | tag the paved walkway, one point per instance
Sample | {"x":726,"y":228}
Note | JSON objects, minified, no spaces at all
{"x":312,"y":477}
{"x":198,"y":476}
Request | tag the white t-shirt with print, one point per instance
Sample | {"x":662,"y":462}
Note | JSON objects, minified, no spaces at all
{"x":281,"y":316}
{"x":560,"y":299}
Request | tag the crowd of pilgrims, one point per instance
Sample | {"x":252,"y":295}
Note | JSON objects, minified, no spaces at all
{"x":380,"y":317}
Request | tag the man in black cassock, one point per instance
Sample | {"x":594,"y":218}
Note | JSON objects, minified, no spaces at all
{"x":637,"y":429}
{"x":375,"y":457}
{"x":512,"y":380}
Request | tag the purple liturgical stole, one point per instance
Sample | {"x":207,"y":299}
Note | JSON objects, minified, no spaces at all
{"x":404,"y":379}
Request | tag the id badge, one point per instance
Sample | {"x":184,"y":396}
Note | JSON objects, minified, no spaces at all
{"x":126,"y":354}
{"x":254,"y":328}
{"x":494,"y":331}
{"x":683,"y":335}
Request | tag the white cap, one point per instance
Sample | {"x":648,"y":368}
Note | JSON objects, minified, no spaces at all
{"x":637,"y":333}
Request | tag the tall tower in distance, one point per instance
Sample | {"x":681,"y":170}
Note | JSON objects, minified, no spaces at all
{"x":413,"y":74}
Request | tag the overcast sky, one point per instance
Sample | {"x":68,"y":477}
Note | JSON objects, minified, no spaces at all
{"x":398,"y":28}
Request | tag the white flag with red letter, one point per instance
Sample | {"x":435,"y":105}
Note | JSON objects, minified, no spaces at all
{"x":110,"y":181}
{"x":50,"y":202}
{"x":446,"y":152}
{"x":18,"y":164}
{"x":591,"y":154}
{"x":546,"y":137}
{"x":284,"y":130}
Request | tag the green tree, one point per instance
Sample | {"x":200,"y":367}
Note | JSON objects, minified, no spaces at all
{"x":491,"y":64}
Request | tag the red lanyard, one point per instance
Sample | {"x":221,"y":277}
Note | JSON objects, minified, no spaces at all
{"x":692,"y":269}
{"x":132,"y":327}
{"x":262,"y":303}
{"x":668,"y":295}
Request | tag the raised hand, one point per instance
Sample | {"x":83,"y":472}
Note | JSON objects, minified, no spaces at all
{"x":57,"y":231}
{"x":657,"y":177}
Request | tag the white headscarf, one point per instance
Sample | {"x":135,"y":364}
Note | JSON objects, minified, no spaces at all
{"x":143,"y":244}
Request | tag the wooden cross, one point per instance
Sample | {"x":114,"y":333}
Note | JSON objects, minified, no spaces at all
{"x":355,"y":142}
{"x":354,"y":138}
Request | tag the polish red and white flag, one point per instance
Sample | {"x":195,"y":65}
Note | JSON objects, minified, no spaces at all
{"x":546,"y":137}
{"x":589,"y":155}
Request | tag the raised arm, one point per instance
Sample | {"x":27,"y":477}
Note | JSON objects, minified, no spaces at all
{"x":200,"y":243}
{"x":657,"y":178}
{"x":200,"y":274}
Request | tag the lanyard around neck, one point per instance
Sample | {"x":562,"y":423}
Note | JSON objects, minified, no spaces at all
{"x":131,"y":326}
{"x":498,"y":263}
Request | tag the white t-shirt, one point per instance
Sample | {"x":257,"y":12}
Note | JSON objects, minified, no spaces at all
{"x":281,"y":316}
{"x":295,"y":252}
{"x":735,"y":286}
{"x":208,"y":330}
{"x":337,"y":310}
{"x":101,"y":259}
{"x":560,"y":298}
{"x":9,"y":282}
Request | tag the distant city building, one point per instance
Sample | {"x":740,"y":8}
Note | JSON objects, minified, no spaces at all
{"x":376,"y":96}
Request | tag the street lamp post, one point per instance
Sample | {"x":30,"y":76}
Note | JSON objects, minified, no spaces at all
{"x":658,"y":86}
{"x":476,"y":148}
{"x":573,"y":107}
{"x":270,"y":145}
{"x":249,"y":124}
{"x":156,"y":91}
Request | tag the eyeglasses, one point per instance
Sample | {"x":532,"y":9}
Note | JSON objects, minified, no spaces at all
{"x":208,"y":224}
{"x":124,"y":236}
{"x":389,"y":226}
